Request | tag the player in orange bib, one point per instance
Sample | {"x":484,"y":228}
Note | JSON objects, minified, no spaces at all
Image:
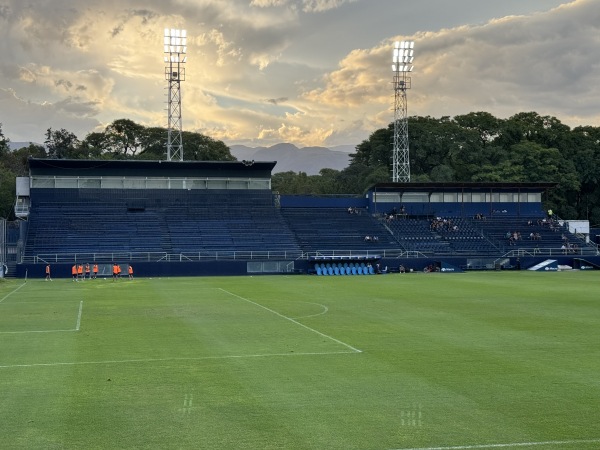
{"x":130,"y":272}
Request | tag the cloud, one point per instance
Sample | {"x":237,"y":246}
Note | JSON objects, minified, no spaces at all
{"x":276,"y":101}
{"x":323,"y":5}
{"x":256,"y":74}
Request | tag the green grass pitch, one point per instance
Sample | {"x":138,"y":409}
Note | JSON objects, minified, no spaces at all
{"x":416,"y":361}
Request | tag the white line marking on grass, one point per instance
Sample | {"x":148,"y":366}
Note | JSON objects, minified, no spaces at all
{"x":293,"y":321}
{"x":79,"y":316}
{"x":36,"y":331}
{"x":325,"y":311}
{"x":151,"y":360}
{"x":11,"y":292}
{"x":515,"y":444}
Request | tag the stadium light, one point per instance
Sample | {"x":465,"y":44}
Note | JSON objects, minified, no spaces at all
{"x":402,"y":65}
{"x":175,"y":49}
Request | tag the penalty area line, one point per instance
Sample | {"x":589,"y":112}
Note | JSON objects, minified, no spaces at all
{"x":153,"y":360}
{"x":293,"y":321}
{"x":79,"y":316}
{"x":11,"y":292}
{"x":514,"y":444}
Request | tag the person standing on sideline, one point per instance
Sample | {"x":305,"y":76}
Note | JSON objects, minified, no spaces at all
{"x":95,"y":271}
{"x":130,"y":272}
{"x":48,"y":273}
{"x":74,"y":272}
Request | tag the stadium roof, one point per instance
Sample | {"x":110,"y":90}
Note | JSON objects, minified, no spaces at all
{"x":87,"y":167}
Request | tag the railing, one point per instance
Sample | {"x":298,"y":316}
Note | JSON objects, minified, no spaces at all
{"x":554,"y":252}
{"x":161,"y":256}
{"x":212,"y":256}
{"x":291,"y":255}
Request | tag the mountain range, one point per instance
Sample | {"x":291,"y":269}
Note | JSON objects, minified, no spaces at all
{"x":291,"y":158}
{"x":309,"y":160}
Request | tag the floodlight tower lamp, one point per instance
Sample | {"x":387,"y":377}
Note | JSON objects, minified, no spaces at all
{"x":402,"y":59}
{"x":175,"y":49}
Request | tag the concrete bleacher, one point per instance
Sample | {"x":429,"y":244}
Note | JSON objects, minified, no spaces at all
{"x":215,"y":220}
{"x":498,"y":230}
{"x":69,"y":221}
{"x":334,"y":228}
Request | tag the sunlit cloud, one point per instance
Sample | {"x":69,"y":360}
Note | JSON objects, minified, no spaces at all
{"x":251,"y":77}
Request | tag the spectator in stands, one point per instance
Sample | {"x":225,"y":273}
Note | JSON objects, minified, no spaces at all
{"x":95,"y":271}
{"x":367,"y":238}
{"x":48,"y":278}
{"x":130,"y":272}
{"x":74,"y":272}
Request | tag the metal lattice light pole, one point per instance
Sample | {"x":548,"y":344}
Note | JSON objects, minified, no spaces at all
{"x":175,"y":50}
{"x":402,"y":66}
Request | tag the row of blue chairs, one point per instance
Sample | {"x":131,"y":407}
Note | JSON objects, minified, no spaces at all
{"x":344,"y":269}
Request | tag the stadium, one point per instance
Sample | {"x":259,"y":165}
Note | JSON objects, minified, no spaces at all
{"x":222,"y":218}
{"x":419,"y":316}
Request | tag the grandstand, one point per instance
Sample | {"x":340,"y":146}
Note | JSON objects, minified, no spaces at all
{"x":208,"y":218}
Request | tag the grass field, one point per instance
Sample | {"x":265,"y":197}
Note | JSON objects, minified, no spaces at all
{"x":416,"y":361}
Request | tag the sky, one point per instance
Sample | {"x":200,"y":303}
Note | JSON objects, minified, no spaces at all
{"x":307,"y":72}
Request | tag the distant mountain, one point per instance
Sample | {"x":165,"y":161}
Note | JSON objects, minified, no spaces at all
{"x":291,"y":158}
{"x":17,"y":145}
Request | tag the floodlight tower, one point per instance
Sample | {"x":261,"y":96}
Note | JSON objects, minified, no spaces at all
{"x":175,"y":50}
{"x":402,"y":66}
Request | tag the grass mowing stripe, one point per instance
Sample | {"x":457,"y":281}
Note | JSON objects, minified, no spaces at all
{"x":293,"y":321}
{"x":515,"y":444}
{"x":150,"y":360}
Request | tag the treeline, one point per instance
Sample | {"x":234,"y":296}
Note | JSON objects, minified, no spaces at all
{"x":475,"y":147}
{"x":122,"y":139}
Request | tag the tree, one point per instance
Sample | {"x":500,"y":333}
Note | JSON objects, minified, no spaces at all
{"x":61,"y":144}
{"x":198,"y":147}
{"x":154,"y":144}
{"x":4,"y":143}
{"x":7,"y":193}
{"x":94,"y":145}
{"x":124,"y":137}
